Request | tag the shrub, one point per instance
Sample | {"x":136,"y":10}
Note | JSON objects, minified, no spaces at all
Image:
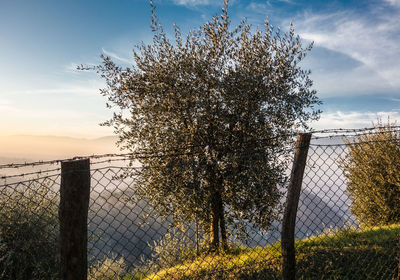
{"x":29,"y":232}
{"x":110,"y":268}
{"x":174,"y":248}
{"x":372,"y":169}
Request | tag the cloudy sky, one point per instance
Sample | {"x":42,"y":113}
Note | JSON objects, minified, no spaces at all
{"x":355,"y":61}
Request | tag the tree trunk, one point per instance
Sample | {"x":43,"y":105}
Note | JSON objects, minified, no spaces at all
{"x":197,"y":236}
{"x":217,"y":223}
{"x":223,"y":228}
{"x":222,"y":221}
{"x":214,"y":235}
{"x":217,"y":211}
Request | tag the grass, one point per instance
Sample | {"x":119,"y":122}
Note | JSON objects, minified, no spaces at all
{"x":347,"y":254}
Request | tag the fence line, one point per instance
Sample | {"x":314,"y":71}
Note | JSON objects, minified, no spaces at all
{"x":130,"y":237}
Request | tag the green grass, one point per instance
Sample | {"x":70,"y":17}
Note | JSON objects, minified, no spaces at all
{"x":348,"y":254}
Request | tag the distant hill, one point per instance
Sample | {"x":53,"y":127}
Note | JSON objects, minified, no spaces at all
{"x":21,"y":148}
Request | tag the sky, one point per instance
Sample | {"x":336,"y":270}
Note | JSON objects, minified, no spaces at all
{"x":355,"y":61}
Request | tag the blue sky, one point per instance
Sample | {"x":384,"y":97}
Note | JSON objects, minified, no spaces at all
{"x":355,"y":61}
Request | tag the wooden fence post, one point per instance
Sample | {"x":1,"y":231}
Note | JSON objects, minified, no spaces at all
{"x":292,"y":202}
{"x":73,"y":213}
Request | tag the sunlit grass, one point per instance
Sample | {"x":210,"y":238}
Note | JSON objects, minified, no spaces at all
{"x":368,"y":253}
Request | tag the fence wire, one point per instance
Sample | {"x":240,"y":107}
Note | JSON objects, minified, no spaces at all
{"x":132,"y":238}
{"x":342,"y":176}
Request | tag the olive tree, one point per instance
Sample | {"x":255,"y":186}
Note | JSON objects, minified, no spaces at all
{"x":371,"y":167}
{"x":216,"y":106}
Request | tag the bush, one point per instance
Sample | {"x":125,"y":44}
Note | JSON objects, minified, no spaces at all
{"x":29,"y":231}
{"x":174,"y":248}
{"x":108,"y":269}
{"x":372,"y":169}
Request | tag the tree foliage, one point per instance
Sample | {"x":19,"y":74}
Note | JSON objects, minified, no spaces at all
{"x":110,"y":268}
{"x":220,"y":105}
{"x":371,"y":167}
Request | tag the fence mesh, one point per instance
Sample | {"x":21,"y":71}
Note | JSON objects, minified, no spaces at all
{"x":29,"y":228}
{"x":335,"y":241}
{"x":129,"y":238}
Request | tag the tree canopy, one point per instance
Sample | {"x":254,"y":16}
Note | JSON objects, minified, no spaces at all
{"x":371,"y":167}
{"x":219,"y":105}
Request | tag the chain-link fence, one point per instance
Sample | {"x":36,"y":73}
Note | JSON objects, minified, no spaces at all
{"x":347,"y":224}
{"x":350,"y":188}
{"x":133,"y":238}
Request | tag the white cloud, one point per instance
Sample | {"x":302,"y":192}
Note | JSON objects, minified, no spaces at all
{"x":7,"y":108}
{"x":75,"y":107}
{"x":117,"y":57}
{"x":260,"y":8}
{"x":371,"y":39}
{"x":11,"y":109}
{"x":75,"y":90}
{"x":285,"y":1}
{"x":198,"y":3}
{"x":18,"y":119}
{"x":192,"y":2}
{"x":4,"y":102}
{"x":340,"y":119}
{"x":71,"y":68}
{"x":395,"y":3}
{"x":355,"y":81}
{"x":85,"y":87}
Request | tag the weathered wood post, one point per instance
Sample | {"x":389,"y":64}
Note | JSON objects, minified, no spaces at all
{"x":292,"y":202}
{"x":73,"y":213}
